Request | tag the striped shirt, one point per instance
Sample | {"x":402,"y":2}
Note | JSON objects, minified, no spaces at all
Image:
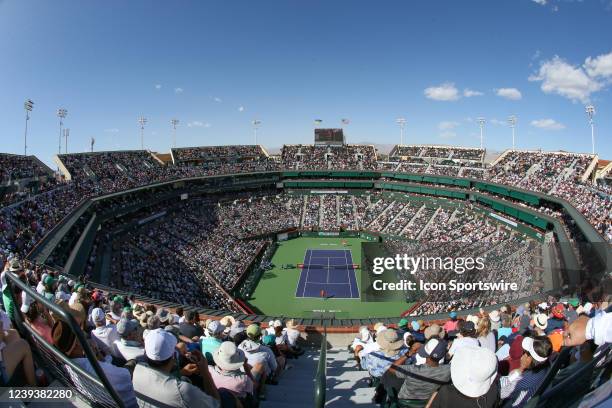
{"x":519,"y":387}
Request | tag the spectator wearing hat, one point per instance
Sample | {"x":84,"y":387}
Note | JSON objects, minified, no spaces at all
{"x":37,"y":316}
{"x":391,"y":348}
{"x":465,"y":338}
{"x":212,"y":339}
{"x":155,"y":381}
{"x":540,"y":323}
{"x":256,"y":353}
{"x":189,"y":328}
{"x":473,"y":385}
{"x":557,"y":320}
{"x":518,"y":386}
{"x":129,"y":345}
{"x":230,"y":371}
{"x":237,"y":332}
{"x":495,"y":318}
{"x":415,"y":387}
{"x":363,"y":344}
{"x":293,"y":334}
{"x":416,"y":330}
{"x":66,"y":341}
{"x":104,"y":334}
{"x":452,"y":324}
{"x":434,"y":331}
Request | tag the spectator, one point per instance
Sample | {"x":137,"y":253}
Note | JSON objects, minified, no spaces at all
{"x":155,"y":383}
{"x":473,"y":385}
{"x":129,"y":346}
{"x":465,"y":338}
{"x":105,"y":335}
{"x":66,"y":341}
{"x":452,"y":324}
{"x":431,"y":375}
{"x":523,"y":382}
{"x":213,"y":337}
{"x":189,"y":328}
{"x":486,"y":338}
{"x":231,"y":371}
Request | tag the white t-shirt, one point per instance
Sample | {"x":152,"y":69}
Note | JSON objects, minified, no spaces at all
{"x":488,"y":342}
{"x":463,"y":342}
{"x":129,"y":352}
{"x":118,"y":377}
{"x":106,"y":337}
{"x":292,"y":336}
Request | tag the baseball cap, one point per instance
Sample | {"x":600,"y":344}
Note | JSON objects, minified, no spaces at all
{"x":558,"y":311}
{"x":253,"y":331}
{"x":215,"y":327}
{"x":473,"y":380}
{"x":126,"y":327}
{"x":402,"y":323}
{"x":98,"y":315}
{"x":159,"y":345}
{"x":452,"y":315}
{"x":434,"y":349}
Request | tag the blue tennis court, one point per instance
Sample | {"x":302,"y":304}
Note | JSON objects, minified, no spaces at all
{"x":330,"y":270}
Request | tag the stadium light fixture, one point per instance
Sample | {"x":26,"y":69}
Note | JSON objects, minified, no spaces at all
{"x":512,"y":122}
{"x":481,"y":123}
{"x":66,"y":134}
{"x":143,"y":121}
{"x":174,"y":123}
{"x":61,"y":114}
{"x":590,"y":111}
{"x":256,"y":123}
{"x":27,"y":105}
{"x":401,"y":122}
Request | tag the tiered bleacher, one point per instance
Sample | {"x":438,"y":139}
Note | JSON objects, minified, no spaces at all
{"x":114,"y":349}
{"x":23,"y":176}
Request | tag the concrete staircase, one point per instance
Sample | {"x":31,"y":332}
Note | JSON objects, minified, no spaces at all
{"x":346,"y":386}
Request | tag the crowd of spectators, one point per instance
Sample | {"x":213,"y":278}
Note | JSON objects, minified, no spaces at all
{"x":151,"y":356}
{"x":492,"y":358}
{"x":346,"y":157}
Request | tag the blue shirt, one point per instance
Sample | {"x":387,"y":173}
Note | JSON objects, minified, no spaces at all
{"x":209,"y":346}
{"x":377,"y":362}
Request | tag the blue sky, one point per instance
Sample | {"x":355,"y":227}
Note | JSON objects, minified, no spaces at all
{"x":217,"y":65}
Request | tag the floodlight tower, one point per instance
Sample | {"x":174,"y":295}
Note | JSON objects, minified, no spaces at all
{"x":66,"y":134}
{"x":27,"y":105}
{"x":93,"y":141}
{"x":590,"y":111}
{"x":143,"y":121}
{"x":61,"y":114}
{"x":512,"y":122}
{"x":481,"y":123}
{"x":256,"y":123}
{"x":401,"y":122}
{"x":174,"y":123}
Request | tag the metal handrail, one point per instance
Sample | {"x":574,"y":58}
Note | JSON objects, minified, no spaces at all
{"x":321,"y":375}
{"x":102,"y":380}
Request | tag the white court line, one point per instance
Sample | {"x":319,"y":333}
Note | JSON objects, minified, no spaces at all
{"x":348,"y":276}
{"x":307,"y":270}
{"x":327,"y":271}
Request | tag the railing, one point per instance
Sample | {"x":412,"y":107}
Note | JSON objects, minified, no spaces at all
{"x":95,"y":388}
{"x":320,"y":377}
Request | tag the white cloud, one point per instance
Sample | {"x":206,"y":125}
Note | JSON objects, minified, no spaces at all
{"x":540,"y":2}
{"x":178,"y":90}
{"x":572,"y":82}
{"x":547,"y":124}
{"x":197,"y":123}
{"x":448,"y":135}
{"x":509,"y":93}
{"x":447,"y":125}
{"x":216,"y":99}
{"x":112,"y":130}
{"x":445,"y":92}
{"x":467,"y":92}
{"x":497,"y":122}
{"x":158,"y":86}
{"x":600,"y":66}
{"x":241,"y":109}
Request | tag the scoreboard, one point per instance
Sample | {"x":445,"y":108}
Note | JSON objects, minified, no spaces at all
{"x":329,"y":137}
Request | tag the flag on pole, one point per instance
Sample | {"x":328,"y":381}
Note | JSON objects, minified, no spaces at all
{"x":345,"y":121}
{"x":318,"y":121}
